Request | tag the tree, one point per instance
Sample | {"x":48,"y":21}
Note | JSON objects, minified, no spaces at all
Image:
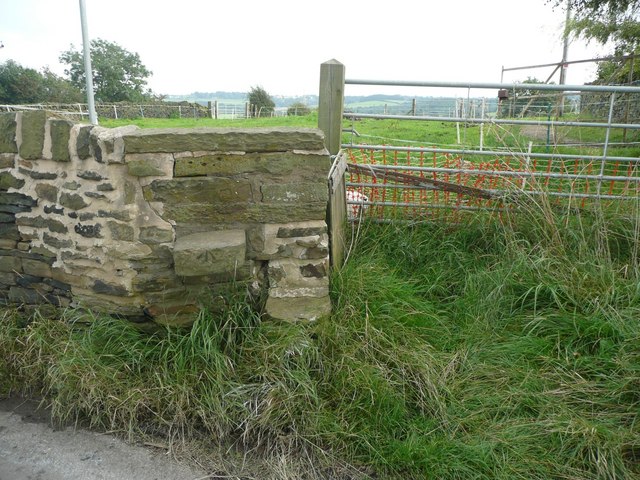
{"x":118,"y":75}
{"x":19,"y":84}
{"x":26,"y":85}
{"x":59,"y":90}
{"x":261,"y":103}
{"x":606,"y":20}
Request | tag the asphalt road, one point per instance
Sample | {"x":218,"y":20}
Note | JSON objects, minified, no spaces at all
{"x":30,"y":449}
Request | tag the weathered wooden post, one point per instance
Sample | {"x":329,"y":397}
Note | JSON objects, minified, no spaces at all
{"x":331,"y":103}
{"x":330,"y":109}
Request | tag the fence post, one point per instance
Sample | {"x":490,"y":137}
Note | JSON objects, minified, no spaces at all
{"x":215,"y":109}
{"x":331,"y":103}
{"x":247,"y":110}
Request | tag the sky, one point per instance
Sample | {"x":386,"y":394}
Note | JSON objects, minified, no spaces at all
{"x":233,"y":45}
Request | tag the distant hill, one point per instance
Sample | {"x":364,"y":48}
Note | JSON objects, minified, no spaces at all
{"x":379,"y":103}
{"x":241,"y":97}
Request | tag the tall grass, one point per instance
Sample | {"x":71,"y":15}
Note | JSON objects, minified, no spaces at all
{"x":504,"y":348}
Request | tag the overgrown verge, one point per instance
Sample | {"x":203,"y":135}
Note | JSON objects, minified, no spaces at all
{"x":504,"y":348}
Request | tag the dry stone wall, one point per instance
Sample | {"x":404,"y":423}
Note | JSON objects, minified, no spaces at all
{"x":150,"y":224}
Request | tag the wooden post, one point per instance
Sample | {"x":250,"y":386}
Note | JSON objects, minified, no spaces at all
{"x":413,"y":108}
{"x":247,"y":111}
{"x":331,"y":103}
{"x":337,"y":211}
{"x":215,"y":109}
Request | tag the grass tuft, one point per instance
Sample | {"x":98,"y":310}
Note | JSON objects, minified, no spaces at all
{"x":505,"y":348}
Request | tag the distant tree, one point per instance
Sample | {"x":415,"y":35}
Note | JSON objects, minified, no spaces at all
{"x":59,"y":90}
{"x":118,"y":75}
{"x":262,"y":104}
{"x":26,"y":85}
{"x":298,"y":108}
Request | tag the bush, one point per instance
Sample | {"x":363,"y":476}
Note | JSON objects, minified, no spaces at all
{"x":298,"y":109}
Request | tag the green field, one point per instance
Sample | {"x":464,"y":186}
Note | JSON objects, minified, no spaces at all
{"x":503,"y":348}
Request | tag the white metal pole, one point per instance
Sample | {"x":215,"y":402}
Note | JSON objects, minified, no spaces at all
{"x":93,"y":117}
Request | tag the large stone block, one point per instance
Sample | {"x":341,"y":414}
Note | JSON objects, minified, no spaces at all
{"x":32,"y":134}
{"x":300,"y":292}
{"x":8,"y":133}
{"x":234,"y":213}
{"x":234,"y":163}
{"x":149,"y":164}
{"x":223,"y":139}
{"x":155,"y":235}
{"x":210,"y":190}
{"x":283,"y":213}
{"x":128,"y":250}
{"x":206,"y":213}
{"x":209,"y":253}
{"x":107,"y":143}
{"x":239,"y":274}
{"x":288,"y":274}
{"x":295,"y":193}
{"x":83,"y":141}
{"x":301,"y":308}
{"x":279,"y":243}
{"x":60,"y":134}
{"x":303,"y":229}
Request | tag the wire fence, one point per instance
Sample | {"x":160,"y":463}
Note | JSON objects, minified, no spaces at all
{"x":425,"y":182}
{"x":214,"y":109}
{"x":441,"y":184}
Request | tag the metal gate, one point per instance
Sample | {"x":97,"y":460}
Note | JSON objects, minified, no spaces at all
{"x":425,"y":182}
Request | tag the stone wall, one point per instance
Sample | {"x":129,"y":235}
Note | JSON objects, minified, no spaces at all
{"x":626,"y":107}
{"x":150,"y":224}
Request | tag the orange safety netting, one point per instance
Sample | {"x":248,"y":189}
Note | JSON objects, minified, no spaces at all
{"x":561,"y":179}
